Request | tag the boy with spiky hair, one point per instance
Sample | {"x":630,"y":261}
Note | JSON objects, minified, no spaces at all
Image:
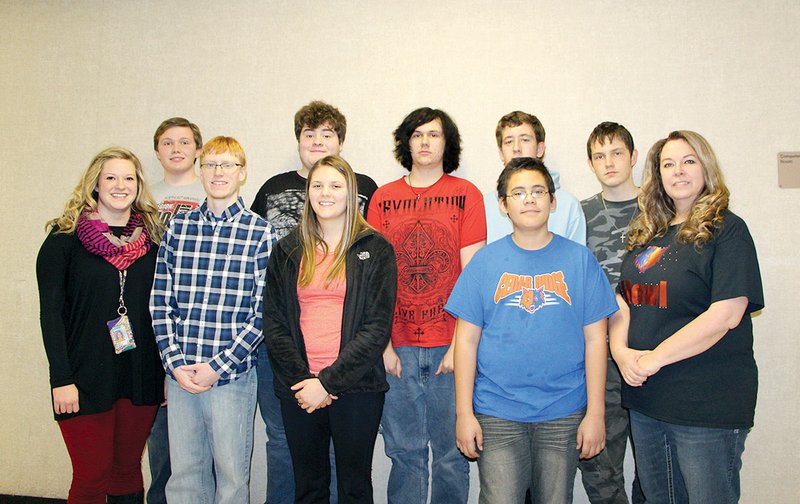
{"x":530,"y":349}
{"x":611,"y":157}
{"x":206,"y":305}
{"x":520,"y":134}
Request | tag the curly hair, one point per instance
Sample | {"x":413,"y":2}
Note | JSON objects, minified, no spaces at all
{"x":424,"y":115}
{"x":656,"y":208}
{"x":84,"y":196}
{"x":318,"y":113}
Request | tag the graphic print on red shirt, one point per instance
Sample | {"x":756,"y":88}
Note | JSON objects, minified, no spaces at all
{"x":428,"y":227}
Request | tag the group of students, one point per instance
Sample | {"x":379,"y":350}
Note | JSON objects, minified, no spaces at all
{"x":384,"y":307}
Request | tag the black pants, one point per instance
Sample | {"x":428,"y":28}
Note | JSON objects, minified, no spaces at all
{"x":352,"y":422}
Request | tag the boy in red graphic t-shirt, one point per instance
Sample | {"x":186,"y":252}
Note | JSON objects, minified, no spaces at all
{"x":436,"y":222}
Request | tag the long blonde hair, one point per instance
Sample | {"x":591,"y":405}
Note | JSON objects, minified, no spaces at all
{"x":656,"y":208}
{"x":310,"y":235}
{"x":84,"y":196}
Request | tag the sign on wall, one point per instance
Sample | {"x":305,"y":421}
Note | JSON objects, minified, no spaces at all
{"x":789,"y":170}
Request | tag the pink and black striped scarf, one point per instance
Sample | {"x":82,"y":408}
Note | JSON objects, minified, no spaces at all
{"x":98,"y":239}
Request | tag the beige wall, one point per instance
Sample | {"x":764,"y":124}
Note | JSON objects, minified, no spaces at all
{"x":79,"y":76}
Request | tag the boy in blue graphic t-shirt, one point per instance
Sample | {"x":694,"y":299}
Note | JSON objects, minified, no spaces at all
{"x":530,"y":349}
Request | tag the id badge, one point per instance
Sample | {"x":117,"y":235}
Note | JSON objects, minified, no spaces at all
{"x":121,"y":334}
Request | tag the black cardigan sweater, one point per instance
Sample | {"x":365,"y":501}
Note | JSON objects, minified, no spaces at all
{"x":371,"y":275}
{"x":78,"y":295}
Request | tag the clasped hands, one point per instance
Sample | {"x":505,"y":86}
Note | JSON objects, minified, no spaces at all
{"x":636,"y":366}
{"x":311,"y":395}
{"x":195,"y":378}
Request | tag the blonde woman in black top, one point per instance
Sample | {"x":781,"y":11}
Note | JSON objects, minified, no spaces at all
{"x":683,"y":338}
{"x":94,"y":271}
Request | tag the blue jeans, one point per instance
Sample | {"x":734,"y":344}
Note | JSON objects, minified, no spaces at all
{"x":158,"y":457}
{"x":280,"y":475}
{"x":517,"y":455}
{"x":420,"y":409}
{"x":679,"y":464}
{"x":213,"y":427}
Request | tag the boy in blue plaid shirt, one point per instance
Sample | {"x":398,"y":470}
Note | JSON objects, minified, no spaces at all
{"x":206,"y":308}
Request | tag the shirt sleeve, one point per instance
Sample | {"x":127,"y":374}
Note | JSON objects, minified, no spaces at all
{"x":164,"y":305}
{"x":374,"y":213}
{"x":250,"y":335}
{"x":735,"y":267}
{"x":576,"y":222}
{"x":366,"y":188}
{"x":473,"y":228}
{"x":600,"y":299}
{"x":497,"y":224}
{"x":465,"y":299}
{"x":259,"y":205}
{"x":52,"y":265}
{"x":285,"y":358}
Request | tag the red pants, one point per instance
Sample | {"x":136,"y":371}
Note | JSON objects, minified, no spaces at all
{"x":106,"y":451}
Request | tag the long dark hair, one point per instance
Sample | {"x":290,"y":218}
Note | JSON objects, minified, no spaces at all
{"x":424,"y":115}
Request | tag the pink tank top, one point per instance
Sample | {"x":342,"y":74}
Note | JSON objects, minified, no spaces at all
{"x":321,"y":309}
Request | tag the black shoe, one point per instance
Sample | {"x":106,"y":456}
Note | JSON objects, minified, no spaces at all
{"x":134,"y":498}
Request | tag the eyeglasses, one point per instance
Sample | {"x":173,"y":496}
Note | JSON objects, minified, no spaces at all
{"x":225,"y":166}
{"x":522,"y":194}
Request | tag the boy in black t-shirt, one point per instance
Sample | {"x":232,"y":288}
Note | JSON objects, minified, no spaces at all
{"x":320,"y":130}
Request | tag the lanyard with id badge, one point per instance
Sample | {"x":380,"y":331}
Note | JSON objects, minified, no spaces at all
{"x":120,"y":327}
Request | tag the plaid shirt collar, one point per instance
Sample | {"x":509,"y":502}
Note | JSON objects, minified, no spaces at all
{"x":230,"y":213}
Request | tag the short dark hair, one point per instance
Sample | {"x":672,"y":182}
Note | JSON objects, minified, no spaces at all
{"x":424,"y":115}
{"x":173,"y":122}
{"x":524,"y":163}
{"x":518,"y":118}
{"x":318,"y":113}
{"x":607,"y":132}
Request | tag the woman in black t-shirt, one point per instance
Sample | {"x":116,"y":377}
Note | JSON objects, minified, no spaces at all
{"x":683,"y":337}
{"x":94,"y":271}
